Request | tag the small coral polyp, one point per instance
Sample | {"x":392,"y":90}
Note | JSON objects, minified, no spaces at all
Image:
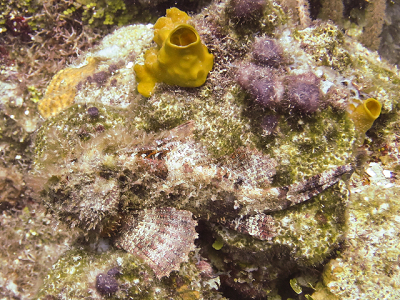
{"x":180,"y":58}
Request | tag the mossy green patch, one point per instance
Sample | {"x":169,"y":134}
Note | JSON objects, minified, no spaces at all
{"x":305,"y":147}
{"x":325,"y":43}
{"x":219,"y":123}
{"x":221,"y":126}
{"x":62,"y":135}
{"x":370,"y":262}
{"x":309,"y":231}
{"x":73,"y":276}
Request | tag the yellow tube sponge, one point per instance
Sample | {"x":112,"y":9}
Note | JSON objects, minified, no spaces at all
{"x":164,"y":25}
{"x":365,"y":114}
{"x":180,"y":58}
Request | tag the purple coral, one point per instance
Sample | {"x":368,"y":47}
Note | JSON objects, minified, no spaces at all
{"x":267,"y":52}
{"x":245,"y":11}
{"x":303,"y":93}
{"x":261,"y":84}
{"x":100,"y":78}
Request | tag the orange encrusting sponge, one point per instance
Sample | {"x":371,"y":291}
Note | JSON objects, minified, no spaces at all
{"x":61,"y":91}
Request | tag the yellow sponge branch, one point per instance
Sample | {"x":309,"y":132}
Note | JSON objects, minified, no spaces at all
{"x":365,"y":114}
{"x":181,"y":58}
{"x":164,"y":25}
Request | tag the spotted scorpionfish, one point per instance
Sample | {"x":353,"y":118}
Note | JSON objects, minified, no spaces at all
{"x":149,"y":192}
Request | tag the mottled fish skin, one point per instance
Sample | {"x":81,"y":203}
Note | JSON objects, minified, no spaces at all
{"x":163,"y":237}
{"x":259,"y":226}
{"x":303,"y":191}
{"x":246,"y":174}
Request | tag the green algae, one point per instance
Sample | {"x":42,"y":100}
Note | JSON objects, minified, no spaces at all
{"x":305,"y":238}
{"x":325,"y":43}
{"x":60,"y":136}
{"x":368,"y":265}
{"x":306,"y":147}
{"x":74,"y":275}
{"x":308,"y":231}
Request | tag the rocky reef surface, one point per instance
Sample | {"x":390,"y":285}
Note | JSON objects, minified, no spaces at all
{"x":256,"y":185}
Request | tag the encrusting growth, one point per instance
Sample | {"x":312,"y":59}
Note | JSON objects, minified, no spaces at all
{"x":61,"y":91}
{"x":245,"y":11}
{"x":267,"y":52}
{"x":303,"y":93}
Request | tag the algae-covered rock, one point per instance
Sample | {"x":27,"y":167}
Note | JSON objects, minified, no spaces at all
{"x":363,"y":70}
{"x":368,"y":267}
{"x":18,"y":120}
{"x":31,"y":242}
{"x":116,"y":274}
{"x":305,"y":237}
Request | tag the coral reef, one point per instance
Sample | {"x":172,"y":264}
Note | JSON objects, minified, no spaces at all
{"x":325,"y":45}
{"x":68,"y":85}
{"x":51,"y":42}
{"x":238,"y":188}
{"x":111,"y":169}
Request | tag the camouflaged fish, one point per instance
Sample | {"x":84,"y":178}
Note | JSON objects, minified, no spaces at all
{"x":147,"y":192}
{"x":161,"y":235}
